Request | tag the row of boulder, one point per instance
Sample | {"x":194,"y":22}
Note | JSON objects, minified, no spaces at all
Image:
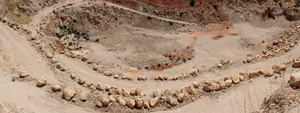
{"x":212,"y":85}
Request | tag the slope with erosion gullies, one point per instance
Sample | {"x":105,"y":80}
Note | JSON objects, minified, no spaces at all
{"x":199,"y":11}
{"x":99,"y":18}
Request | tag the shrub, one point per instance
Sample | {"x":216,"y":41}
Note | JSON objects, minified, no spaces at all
{"x":192,"y":2}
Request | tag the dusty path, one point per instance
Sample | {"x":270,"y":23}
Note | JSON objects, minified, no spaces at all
{"x":17,"y":54}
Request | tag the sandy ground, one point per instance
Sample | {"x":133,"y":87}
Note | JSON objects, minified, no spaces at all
{"x":17,"y":54}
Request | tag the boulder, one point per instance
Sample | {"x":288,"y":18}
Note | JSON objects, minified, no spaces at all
{"x":253,"y":74}
{"x":81,"y":81}
{"x":83,"y":95}
{"x":172,"y":101}
{"x":23,"y":74}
{"x":154,"y":102}
{"x":219,"y":65}
{"x":68,"y":94}
{"x":95,"y":67}
{"x":73,"y":76}
{"x":195,"y":84}
{"x":147,"y":106}
{"x":228,"y":83}
{"x":221,"y":84}
{"x":296,"y":65}
{"x":269,"y":73}
{"x":180,"y":97}
{"x":193,"y":91}
{"x":41,"y":82}
{"x":116,"y":76}
{"x":56,"y":88}
{"x":212,"y":86}
{"x":105,"y":101}
{"x":295,"y":80}
{"x":278,"y":68}
{"x":236,"y":78}
{"x":108,"y":73}
{"x":121,"y":101}
{"x":130,"y":103}
{"x":99,"y":87}
{"x":84,"y":58}
{"x":139,"y":103}
{"x":89,"y":61}
{"x":249,"y":59}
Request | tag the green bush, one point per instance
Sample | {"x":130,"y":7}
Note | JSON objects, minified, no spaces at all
{"x":192,"y":2}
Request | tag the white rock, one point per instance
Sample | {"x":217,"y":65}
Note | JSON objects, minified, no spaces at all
{"x":68,"y":93}
{"x":295,"y":80}
{"x":56,"y":88}
{"x":41,"y":82}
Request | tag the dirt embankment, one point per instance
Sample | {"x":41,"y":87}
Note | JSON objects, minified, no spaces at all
{"x":201,"y":12}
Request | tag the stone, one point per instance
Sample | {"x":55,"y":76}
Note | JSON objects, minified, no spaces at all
{"x":68,"y":94}
{"x":100,"y":70}
{"x":105,"y":101}
{"x":241,"y":77}
{"x":116,"y":76}
{"x":130,"y":103}
{"x":278,"y":68}
{"x":219,"y":65}
{"x":221,"y":84}
{"x":121,"y":101}
{"x":147,"y":106}
{"x":41,"y":82}
{"x":49,"y":55}
{"x":195,"y":84}
{"x":98,"y":104}
{"x":89,"y":61}
{"x":269,"y":73}
{"x":108,"y":73}
{"x":193,"y":91}
{"x":112,"y":98}
{"x":253,"y":74}
{"x":180,"y":97}
{"x":249,"y":59}
{"x":295,"y":80}
{"x":56,"y":88}
{"x":90,"y":84}
{"x":107,"y":88}
{"x":236,"y":78}
{"x":23,"y":74}
{"x":84,"y":58}
{"x":53,"y":61}
{"x":139,"y":103}
{"x":154,"y":102}
{"x":72,"y":75}
{"x":228,"y":83}
{"x":133,"y":92}
{"x":210,"y":86}
{"x":296,"y":65}
{"x":81,"y":81}
{"x":83,"y":95}
{"x":172,"y":101}
{"x":98,"y":86}
{"x":61,"y":52}
{"x":73,"y":56}
{"x":95,"y":67}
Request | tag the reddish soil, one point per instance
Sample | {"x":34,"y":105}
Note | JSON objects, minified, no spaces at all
{"x":220,"y":31}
